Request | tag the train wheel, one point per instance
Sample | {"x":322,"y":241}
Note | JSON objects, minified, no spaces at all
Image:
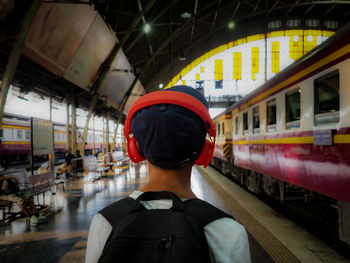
{"x":282,"y":190}
{"x":253,"y":182}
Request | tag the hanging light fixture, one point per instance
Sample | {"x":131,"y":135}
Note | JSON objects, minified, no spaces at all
{"x":146,"y":28}
{"x":182,"y":57}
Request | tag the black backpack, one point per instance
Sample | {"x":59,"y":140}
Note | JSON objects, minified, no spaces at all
{"x":158,"y":235}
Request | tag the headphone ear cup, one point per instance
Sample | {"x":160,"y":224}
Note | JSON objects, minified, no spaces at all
{"x":133,"y":151}
{"x":206,"y":154}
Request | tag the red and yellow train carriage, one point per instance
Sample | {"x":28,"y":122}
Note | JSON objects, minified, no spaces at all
{"x":15,"y":139}
{"x":293,"y":132}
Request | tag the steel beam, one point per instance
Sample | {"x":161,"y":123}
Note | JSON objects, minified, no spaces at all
{"x":106,"y":66}
{"x":74,"y":123}
{"x":125,"y":100}
{"x":15,"y":54}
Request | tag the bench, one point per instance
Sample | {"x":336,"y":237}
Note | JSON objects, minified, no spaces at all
{"x":36,"y":184}
{"x":91,"y":165}
{"x":7,"y":216}
{"x":120,"y":160}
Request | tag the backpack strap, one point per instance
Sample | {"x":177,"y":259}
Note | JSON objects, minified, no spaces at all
{"x":203,"y":212}
{"x":123,"y":206}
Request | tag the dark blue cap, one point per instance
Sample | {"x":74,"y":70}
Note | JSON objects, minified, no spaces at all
{"x":170,"y":136}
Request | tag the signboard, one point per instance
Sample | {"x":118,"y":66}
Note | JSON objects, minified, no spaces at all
{"x":324,"y":137}
{"x":93,"y":51}
{"x":42,"y":137}
{"x":56,"y":34}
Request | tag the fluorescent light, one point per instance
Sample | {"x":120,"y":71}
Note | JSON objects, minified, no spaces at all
{"x":186,"y":15}
{"x":231,"y":25}
{"x":146,"y":28}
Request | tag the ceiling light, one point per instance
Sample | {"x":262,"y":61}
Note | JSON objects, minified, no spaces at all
{"x":182,"y":57}
{"x":186,"y":15}
{"x":146,"y":28}
{"x":231,"y":25}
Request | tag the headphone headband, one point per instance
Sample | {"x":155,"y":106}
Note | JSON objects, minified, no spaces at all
{"x":175,"y":98}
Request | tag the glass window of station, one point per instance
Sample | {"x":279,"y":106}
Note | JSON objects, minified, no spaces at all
{"x":271,"y":115}
{"x":256,"y":120}
{"x":293,"y":109}
{"x":326,"y":98}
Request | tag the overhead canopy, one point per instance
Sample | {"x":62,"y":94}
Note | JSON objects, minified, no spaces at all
{"x":69,"y":42}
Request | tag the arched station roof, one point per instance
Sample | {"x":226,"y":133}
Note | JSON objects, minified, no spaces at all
{"x":179,"y":29}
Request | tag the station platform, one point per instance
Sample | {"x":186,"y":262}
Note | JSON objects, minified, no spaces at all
{"x":63,"y":238}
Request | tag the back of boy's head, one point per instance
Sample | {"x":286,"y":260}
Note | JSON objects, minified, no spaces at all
{"x":168,"y":135}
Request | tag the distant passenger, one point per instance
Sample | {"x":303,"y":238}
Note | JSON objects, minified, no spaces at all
{"x":69,"y":156}
{"x":9,"y":188}
{"x":168,"y":128}
{"x":77,"y":154}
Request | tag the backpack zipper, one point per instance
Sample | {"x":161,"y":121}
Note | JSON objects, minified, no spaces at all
{"x":165,"y":245}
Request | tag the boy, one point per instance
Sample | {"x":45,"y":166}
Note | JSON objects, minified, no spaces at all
{"x":168,"y":128}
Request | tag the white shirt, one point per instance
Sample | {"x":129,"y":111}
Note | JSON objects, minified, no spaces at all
{"x":227,"y":239}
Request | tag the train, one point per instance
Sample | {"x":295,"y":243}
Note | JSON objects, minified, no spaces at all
{"x":290,"y":138}
{"x":15,"y":139}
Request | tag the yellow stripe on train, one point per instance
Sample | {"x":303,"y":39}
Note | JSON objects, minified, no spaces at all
{"x":343,"y":138}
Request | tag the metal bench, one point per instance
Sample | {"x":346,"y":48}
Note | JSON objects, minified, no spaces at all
{"x":36,"y":184}
{"x":90,"y":165}
{"x":120,"y":160}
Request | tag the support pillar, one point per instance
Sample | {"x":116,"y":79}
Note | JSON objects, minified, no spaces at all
{"x":93,"y":135}
{"x":15,"y":54}
{"x":107,"y":133}
{"x":67,"y":128}
{"x":103,"y":135}
{"x":50,"y":108}
{"x":114,"y":136}
{"x":74,"y":125}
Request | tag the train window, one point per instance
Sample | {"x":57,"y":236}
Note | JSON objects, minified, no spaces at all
{"x":19,"y":135}
{"x":218,"y":128}
{"x":293,"y":109}
{"x":27,"y":135}
{"x":236,"y":125}
{"x":326,"y":102}
{"x":245,"y":121}
{"x":256,"y":120}
{"x":271,"y":115}
{"x":223,"y":128}
{"x":218,"y":84}
{"x":1,"y":133}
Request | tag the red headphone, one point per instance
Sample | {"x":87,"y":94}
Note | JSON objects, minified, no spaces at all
{"x":177,"y":98}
